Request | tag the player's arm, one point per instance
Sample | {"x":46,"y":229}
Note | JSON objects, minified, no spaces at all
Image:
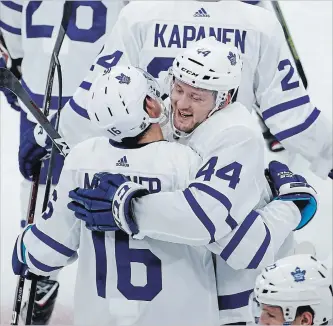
{"x":217,"y":208}
{"x":121,"y":48}
{"x":51,"y":242}
{"x":286,"y":107}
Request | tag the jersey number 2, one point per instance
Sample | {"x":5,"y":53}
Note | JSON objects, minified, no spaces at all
{"x":285,"y":82}
{"x":91,"y":35}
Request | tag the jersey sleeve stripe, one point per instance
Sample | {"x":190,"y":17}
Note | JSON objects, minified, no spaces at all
{"x":285,"y":106}
{"x":239,"y":235}
{"x":9,"y":28}
{"x":39,"y":265}
{"x":78,"y":109}
{"x":100,"y":254}
{"x":55,"y":245}
{"x":218,"y":196}
{"x":38,"y":98}
{"x":85,"y":85}
{"x":234,"y":301}
{"x":261,"y":252}
{"x":200,"y":213}
{"x":12,"y":5}
{"x":299,"y":128}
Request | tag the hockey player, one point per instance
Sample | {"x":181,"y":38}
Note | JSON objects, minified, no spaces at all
{"x":30,"y":29}
{"x":150,"y":34}
{"x":121,"y":281}
{"x":216,"y":209}
{"x":296,"y":290}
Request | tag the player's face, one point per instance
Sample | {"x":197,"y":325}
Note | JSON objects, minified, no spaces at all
{"x":190,"y":105}
{"x":272,"y":315}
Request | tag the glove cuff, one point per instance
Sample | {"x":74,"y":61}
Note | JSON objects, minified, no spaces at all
{"x":297,"y":188}
{"x":122,"y":206}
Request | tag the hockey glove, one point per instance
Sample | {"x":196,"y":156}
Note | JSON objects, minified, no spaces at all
{"x":94,"y":206}
{"x":292,"y":187}
{"x":36,"y":146}
{"x":122,"y":206}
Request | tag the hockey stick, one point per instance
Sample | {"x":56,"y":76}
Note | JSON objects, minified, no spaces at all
{"x":46,"y":109}
{"x":35,"y":181}
{"x":54,"y":150}
{"x":9,"y":81}
{"x":290,"y":42}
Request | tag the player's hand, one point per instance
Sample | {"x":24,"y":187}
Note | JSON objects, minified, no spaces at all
{"x":35,"y":147}
{"x":292,"y":187}
{"x":122,"y":208}
{"x":94,"y":206}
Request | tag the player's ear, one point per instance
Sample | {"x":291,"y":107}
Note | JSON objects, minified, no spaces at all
{"x":153,"y":108}
{"x":306,"y":318}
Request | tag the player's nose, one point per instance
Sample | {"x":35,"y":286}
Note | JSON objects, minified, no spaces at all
{"x":183,"y":102}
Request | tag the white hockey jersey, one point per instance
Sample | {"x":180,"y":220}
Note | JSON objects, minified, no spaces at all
{"x":223,"y":208}
{"x":30,"y":29}
{"x":121,"y":281}
{"x":150,"y":35}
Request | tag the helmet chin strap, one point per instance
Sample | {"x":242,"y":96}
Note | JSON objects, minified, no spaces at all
{"x":221,"y":98}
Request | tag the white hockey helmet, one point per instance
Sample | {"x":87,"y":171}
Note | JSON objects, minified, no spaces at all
{"x":211,"y":65}
{"x":296,"y":281}
{"x":116,"y":103}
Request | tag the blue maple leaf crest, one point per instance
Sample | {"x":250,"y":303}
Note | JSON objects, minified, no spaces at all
{"x":232,"y":58}
{"x":299,"y":275}
{"x":123,"y":79}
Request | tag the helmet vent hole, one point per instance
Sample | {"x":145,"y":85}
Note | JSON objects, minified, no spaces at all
{"x":330,"y":287}
{"x":193,"y":81}
{"x":106,"y":90}
{"x":265,"y":291}
{"x":206,"y":77}
{"x":127,"y":111}
{"x":110,"y":111}
{"x":313,"y":258}
{"x":123,"y":103}
{"x":198,"y":63}
{"x":211,"y":70}
{"x":93,"y":94}
{"x":216,"y":77}
{"x":96,"y":116}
